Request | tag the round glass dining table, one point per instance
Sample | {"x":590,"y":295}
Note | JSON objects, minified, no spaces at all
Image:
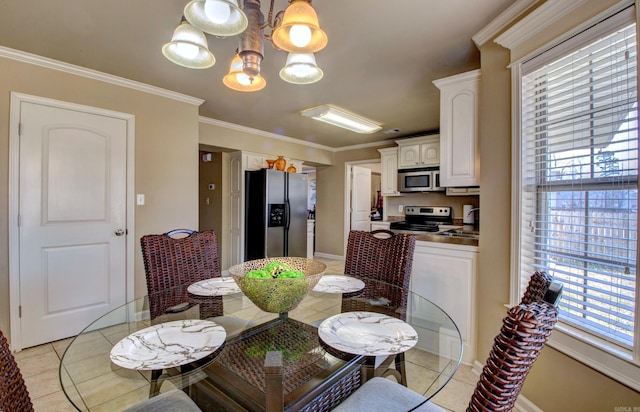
{"x":219,"y":349}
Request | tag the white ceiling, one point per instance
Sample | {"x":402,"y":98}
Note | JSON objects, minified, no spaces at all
{"x":380,"y":61}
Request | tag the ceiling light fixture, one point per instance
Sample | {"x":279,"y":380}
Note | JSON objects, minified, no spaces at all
{"x":342,"y":118}
{"x":295,"y":30}
{"x":238,"y":80}
{"x":301,"y":69}
{"x":188,"y":48}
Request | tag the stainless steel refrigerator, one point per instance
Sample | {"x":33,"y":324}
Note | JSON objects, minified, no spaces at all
{"x":275,"y":214}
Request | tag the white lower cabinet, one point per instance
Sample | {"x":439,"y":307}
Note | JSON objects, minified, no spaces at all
{"x":311,"y":225}
{"x":446,"y":275}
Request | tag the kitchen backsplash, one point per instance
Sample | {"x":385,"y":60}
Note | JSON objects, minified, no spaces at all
{"x":427,"y":199}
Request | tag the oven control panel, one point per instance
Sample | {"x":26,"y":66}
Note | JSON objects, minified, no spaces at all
{"x":442,"y":211}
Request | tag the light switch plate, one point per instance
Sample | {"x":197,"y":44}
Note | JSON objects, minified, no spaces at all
{"x":140,"y":200}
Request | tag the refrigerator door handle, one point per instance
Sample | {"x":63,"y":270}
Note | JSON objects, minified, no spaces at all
{"x":287,"y":215}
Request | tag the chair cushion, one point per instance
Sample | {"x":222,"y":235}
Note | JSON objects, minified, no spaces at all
{"x":172,"y":401}
{"x":385,"y":395}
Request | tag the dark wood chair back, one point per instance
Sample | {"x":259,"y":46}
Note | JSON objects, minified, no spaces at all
{"x":172,"y":263}
{"x":383,"y":261}
{"x":388,"y":259}
{"x":14,"y":395}
{"x":524,"y":333}
{"x":536,"y":289}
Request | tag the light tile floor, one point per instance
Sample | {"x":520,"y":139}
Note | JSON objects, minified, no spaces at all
{"x":39,"y":367}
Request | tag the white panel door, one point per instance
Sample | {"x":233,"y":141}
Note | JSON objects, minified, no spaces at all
{"x":360,"y":198}
{"x":72,"y":220}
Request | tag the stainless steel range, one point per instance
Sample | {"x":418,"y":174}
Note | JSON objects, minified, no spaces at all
{"x":424,"y":218}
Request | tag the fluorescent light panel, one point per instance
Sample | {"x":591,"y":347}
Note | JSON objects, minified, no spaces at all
{"x":342,"y":118}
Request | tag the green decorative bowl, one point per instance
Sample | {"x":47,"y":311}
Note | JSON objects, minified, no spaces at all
{"x":278,"y":295}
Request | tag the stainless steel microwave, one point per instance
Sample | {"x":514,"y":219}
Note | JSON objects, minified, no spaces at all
{"x":419,"y":180}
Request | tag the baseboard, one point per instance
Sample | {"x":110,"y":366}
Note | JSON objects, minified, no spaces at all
{"x":477,"y":368}
{"x":523,"y":404}
{"x":328,"y":256}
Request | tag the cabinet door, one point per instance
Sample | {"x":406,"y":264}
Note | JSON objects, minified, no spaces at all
{"x":430,"y":154}
{"x":255,"y":162}
{"x":409,"y":156}
{"x":459,"y":163}
{"x":447,"y":278}
{"x":310,"y":238}
{"x":389,"y":172}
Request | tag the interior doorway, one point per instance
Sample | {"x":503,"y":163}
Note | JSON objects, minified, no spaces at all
{"x":374,"y":183}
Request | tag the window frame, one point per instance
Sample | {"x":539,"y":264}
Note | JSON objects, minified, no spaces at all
{"x":608,"y":358}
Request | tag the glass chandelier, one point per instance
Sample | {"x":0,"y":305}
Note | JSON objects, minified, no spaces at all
{"x":295,"y":30}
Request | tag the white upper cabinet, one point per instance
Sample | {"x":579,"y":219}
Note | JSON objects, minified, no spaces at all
{"x":389,"y":171}
{"x":254,"y":161}
{"x":459,"y":157}
{"x":419,"y":152}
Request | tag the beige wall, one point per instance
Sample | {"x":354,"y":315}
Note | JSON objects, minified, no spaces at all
{"x":232,"y":139}
{"x":166,"y":146}
{"x":556,"y":382}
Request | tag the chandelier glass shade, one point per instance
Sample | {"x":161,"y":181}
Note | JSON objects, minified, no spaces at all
{"x":301,"y":69}
{"x":295,"y":30}
{"x":238,"y":80}
{"x":299,"y":31}
{"x":188,"y":48}
{"x":218,"y":17}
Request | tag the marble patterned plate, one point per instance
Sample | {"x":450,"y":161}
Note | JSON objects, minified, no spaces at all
{"x":168,"y":344}
{"x":219,"y":286}
{"x":338,"y":284}
{"x":367,"y":333}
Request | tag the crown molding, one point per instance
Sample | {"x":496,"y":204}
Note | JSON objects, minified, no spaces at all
{"x":538,"y":20}
{"x":257,"y":132}
{"x":503,"y":20}
{"x":457,"y":78}
{"x":95,"y":75}
{"x":364,"y":145}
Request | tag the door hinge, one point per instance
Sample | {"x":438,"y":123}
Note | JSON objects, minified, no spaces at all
{"x":20,"y":311}
{"x":19,"y":220}
{"x":19,"y":129}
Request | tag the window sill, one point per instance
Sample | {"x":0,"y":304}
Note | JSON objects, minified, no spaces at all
{"x":598,"y":354}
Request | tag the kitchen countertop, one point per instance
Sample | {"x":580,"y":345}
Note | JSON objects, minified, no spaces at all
{"x":451,"y":240}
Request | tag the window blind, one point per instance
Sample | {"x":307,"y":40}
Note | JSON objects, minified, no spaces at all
{"x":579,"y":181}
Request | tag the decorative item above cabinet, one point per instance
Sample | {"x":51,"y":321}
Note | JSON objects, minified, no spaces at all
{"x":421,"y":151}
{"x":256,"y":161}
{"x":459,"y":159}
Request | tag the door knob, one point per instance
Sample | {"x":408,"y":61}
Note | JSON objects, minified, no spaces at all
{"x":120,"y":232}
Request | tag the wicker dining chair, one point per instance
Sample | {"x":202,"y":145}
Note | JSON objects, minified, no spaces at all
{"x":524,"y":333}
{"x":173,"y":261}
{"x":383,"y":261}
{"x":536,"y":288}
{"x":14,"y":395}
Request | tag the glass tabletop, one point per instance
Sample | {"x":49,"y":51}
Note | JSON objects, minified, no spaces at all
{"x":227,"y":372}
